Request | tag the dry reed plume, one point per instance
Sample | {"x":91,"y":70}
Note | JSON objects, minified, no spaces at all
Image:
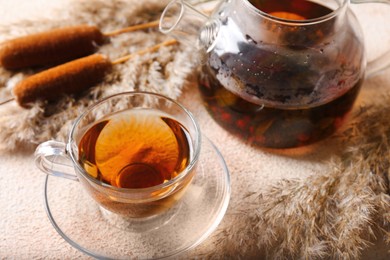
{"x":331,"y":215}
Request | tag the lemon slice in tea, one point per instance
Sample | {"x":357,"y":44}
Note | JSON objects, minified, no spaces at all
{"x":288,"y":16}
{"x":137,"y":149}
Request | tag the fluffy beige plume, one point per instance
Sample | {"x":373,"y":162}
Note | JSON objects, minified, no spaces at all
{"x":331,"y":215}
{"x":149,"y":72}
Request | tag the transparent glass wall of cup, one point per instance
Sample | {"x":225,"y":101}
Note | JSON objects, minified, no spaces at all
{"x":62,"y":159}
{"x":277,"y":73}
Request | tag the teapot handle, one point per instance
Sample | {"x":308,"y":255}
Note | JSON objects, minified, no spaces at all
{"x":383,"y":61}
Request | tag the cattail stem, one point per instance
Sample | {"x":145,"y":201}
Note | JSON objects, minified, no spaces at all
{"x":132,"y":28}
{"x":143,"y":51}
{"x":6,"y":101}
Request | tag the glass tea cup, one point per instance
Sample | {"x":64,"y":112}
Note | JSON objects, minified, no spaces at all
{"x":120,"y":142}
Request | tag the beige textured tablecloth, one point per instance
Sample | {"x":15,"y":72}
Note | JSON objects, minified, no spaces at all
{"x":25,"y":231}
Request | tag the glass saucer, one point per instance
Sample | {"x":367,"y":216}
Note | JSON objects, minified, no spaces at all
{"x":102,"y":234}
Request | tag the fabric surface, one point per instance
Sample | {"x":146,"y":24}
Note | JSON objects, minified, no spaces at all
{"x":259,"y":177}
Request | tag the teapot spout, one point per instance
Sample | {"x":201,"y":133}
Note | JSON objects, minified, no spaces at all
{"x":188,"y":25}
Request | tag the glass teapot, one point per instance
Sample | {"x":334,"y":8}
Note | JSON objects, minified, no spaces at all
{"x":277,"y":73}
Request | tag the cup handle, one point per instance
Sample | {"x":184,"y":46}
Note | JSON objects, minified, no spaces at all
{"x":383,"y":61}
{"x":51,"y":158}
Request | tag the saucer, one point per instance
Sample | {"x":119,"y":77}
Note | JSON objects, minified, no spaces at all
{"x":102,"y":234}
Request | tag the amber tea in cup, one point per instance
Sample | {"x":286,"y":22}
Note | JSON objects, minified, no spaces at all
{"x":135,"y":149}
{"x":134,"y":153}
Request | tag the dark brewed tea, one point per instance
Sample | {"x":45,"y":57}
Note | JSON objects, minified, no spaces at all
{"x":291,"y":9}
{"x":136,"y":148}
{"x":285,"y":84}
{"x":273,"y":127}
